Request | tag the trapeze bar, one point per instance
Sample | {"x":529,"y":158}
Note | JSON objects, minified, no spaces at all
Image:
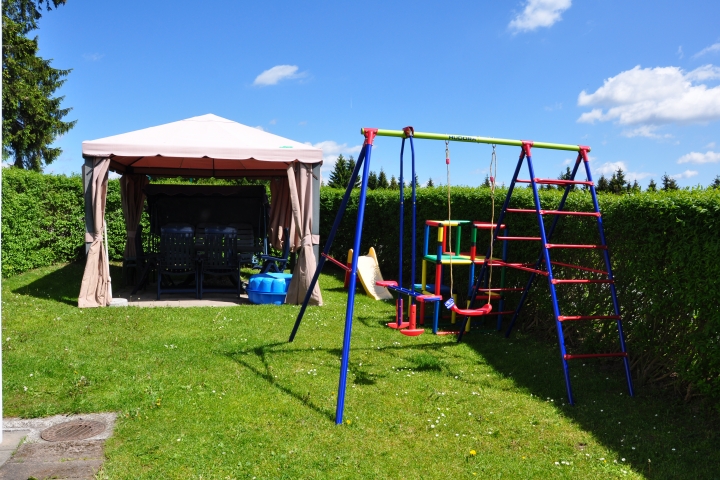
{"x":473,"y":139}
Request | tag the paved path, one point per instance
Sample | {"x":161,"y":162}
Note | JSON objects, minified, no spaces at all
{"x":24,"y":454}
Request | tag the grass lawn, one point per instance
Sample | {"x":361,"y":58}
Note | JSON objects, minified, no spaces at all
{"x":219,"y":393}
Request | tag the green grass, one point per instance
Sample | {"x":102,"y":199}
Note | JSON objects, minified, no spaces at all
{"x":219,"y":393}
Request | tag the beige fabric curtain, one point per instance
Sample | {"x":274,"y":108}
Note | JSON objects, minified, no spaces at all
{"x":94,"y":289}
{"x":300,"y":187}
{"x":280,"y":211}
{"x":132,"y":198}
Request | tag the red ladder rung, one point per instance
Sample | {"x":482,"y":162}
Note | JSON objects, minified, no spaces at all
{"x":486,"y":226}
{"x":519,"y":238}
{"x":578,"y":267}
{"x":518,"y":289}
{"x":580,"y":280}
{"x":519,"y":266}
{"x":554,"y":212}
{"x":337,"y":262}
{"x":552,"y":181}
{"x":568,"y":318}
{"x":560,"y":245}
{"x":595,"y":355}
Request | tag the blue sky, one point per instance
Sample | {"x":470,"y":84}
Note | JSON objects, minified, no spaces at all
{"x":638,"y":81}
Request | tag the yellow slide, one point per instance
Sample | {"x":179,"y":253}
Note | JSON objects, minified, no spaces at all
{"x":368,"y":272}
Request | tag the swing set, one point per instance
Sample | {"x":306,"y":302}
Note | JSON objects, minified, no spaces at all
{"x":482,"y":285}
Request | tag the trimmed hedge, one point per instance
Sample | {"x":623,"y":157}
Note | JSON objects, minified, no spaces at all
{"x":43,"y":220}
{"x":665,"y":251}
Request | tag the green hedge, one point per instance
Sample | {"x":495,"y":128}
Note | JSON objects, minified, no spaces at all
{"x":43,"y":220}
{"x":665,"y":250}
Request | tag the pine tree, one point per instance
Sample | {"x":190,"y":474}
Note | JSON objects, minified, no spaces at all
{"x":486,"y":182}
{"x":634,"y":188}
{"x":350,"y":166}
{"x":617,"y":182}
{"x":566,"y":175}
{"x":394,"y":185}
{"x":372,"y":181}
{"x":669,"y":183}
{"x":417,"y":182}
{"x":339,"y":177}
{"x":430,"y":183}
{"x":652,"y":186}
{"x":382,"y":180}
{"x":716,"y":182}
{"x":31,"y":115}
{"x":602,"y":184}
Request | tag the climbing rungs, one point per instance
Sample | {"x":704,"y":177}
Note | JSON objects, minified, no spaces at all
{"x":560,"y":245}
{"x":518,"y":289}
{"x":595,"y":355}
{"x":486,"y":226}
{"x":519,"y":238}
{"x":578,"y":267}
{"x":551,"y":181}
{"x":568,"y":318}
{"x":554,"y":212}
{"x":579,"y":280}
{"x":518,"y":266}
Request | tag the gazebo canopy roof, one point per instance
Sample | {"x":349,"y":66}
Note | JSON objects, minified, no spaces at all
{"x":202,"y":146}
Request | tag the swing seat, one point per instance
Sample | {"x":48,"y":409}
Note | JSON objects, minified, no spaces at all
{"x":484,"y":310}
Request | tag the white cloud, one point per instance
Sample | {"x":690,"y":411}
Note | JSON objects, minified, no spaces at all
{"x":697,"y":157}
{"x":655,"y":96}
{"x":715,"y":47}
{"x":609,"y":168}
{"x":260,"y":127}
{"x":539,"y":13}
{"x":331,"y":150}
{"x":680,"y":52}
{"x":645,"y":131}
{"x":273,"y":121}
{"x":93,"y":57}
{"x":710,"y":145}
{"x":685,"y":174}
{"x":278,"y":73}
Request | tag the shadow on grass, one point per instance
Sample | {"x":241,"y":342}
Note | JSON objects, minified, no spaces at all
{"x":61,"y":284}
{"x":654,"y":433}
{"x":357,"y":375}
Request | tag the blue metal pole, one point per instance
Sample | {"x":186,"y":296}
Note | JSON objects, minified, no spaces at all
{"x":402,"y":217}
{"x":501,"y":304}
{"x":351,"y":295}
{"x":414,"y":226}
{"x":328,"y":243}
{"x":613,"y":291}
{"x":553,"y":295}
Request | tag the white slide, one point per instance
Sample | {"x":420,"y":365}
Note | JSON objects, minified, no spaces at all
{"x":368,"y":272}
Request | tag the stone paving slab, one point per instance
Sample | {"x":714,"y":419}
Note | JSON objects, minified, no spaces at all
{"x":10,"y":442}
{"x":40,"y":459}
{"x":80,"y":459}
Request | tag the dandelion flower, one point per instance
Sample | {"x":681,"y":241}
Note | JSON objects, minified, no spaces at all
{"x":473,"y":453}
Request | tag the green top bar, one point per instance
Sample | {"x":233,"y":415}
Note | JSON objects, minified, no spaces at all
{"x":466,"y":138}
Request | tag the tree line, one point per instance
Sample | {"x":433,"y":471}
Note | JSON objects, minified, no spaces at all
{"x":342,"y":172}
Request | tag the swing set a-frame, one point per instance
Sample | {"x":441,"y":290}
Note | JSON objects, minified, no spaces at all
{"x":543,"y":266}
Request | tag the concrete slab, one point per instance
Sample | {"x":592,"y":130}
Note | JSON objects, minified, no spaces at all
{"x":11,"y":441}
{"x":148,"y":299}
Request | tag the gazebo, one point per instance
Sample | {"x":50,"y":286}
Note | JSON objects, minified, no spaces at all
{"x":204,"y":146}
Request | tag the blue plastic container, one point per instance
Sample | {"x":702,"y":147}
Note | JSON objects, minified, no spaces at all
{"x":266,"y":288}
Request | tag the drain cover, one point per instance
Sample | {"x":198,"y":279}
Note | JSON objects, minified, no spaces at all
{"x":72,"y":430}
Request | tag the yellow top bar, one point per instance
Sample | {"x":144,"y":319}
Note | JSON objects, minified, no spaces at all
{"x":474,"y":139}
